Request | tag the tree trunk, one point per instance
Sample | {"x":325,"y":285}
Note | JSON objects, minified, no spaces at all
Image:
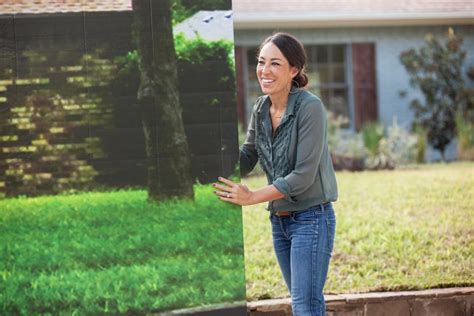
{"x":169,"y":165}
{"x":443,"y":157}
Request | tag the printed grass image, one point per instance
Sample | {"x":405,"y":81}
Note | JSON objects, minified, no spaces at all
{"x":405,"y":229}
{"x":114,"y":252}
{"x":108,"y":119}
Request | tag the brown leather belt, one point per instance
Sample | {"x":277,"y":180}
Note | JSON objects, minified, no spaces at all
{"x":287,"y":213}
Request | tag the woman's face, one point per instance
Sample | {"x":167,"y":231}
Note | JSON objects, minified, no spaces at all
{"x":274,"y":72}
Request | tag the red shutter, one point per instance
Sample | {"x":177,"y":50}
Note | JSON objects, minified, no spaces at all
{"x":365,"y":89}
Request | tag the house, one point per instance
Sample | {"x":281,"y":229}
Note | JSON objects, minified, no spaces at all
{"x":209,"y":25}
{"x":353,"y":49}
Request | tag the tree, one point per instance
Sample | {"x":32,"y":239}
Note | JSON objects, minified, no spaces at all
{"x":183,"y":9}
{"x":436,"y":69}
{"x":169,"y":165}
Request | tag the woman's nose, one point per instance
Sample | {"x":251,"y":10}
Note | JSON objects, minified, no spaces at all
{"x":265,"y":69}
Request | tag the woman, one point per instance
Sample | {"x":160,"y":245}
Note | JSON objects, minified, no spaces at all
{"x":287,"y":134}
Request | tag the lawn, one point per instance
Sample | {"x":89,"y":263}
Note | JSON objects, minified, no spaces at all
{"x":113,"y":252}
{"x":404,"y":229}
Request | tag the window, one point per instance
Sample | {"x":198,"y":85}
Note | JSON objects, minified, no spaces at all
{"x":327,"y":72}
{"x":326,"y":68}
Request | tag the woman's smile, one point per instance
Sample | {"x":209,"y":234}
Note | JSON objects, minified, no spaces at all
{"x":274,"y":72}
{"x":267,"y":82}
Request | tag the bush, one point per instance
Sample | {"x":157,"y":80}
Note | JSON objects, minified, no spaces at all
{"x":372,"y":133}
{"x":372,"y":148}
{"x":465,"y":133}
{"x":420,"y":133}
{"x":347,"y":149}
{"x":398,"y":147}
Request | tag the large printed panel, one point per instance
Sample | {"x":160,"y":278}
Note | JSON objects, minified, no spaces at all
{"x":112,"y":129}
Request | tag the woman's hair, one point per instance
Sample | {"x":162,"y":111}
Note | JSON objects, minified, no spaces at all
{"x":294,"y":52}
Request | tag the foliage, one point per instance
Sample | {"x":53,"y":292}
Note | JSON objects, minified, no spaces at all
{"x":344,"y":142}
{"x":111,"y":253}
{"x":198,"y":50}
{"x":372,"y":133}
{"x":194,"y":51}
{"x":372,"y":148}
{"x":465,"y":138}
{"x":420,"y":146}
{"x":183,"y":9}
{"x":347,"y":148}
{"x":50,"y":167}
{"x":41,"y":158}
{"x":127,"y":77}
{"x":334,"y":125}
{"x":401,"y":229}
{"x":397,"y":148}
{"x":436,"y":69}
{"x":350,"y":145}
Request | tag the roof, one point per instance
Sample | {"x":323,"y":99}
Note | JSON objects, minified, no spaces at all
{"x":62,"y":6}
{"x":210,"y":25}
{"x":289,"y":13}
{"x":333,"y":13}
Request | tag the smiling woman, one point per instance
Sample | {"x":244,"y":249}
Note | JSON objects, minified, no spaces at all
{"x":287,"y":135}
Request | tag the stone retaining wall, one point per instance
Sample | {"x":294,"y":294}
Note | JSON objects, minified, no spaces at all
{"x":434,"y":302}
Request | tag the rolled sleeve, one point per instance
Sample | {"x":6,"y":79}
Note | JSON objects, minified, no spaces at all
{"x":310,"y":139}
{"x":248,"y":152}
{"x":282,"y":185}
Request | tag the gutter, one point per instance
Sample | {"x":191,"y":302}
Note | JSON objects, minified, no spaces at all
{"x":246,"y":20}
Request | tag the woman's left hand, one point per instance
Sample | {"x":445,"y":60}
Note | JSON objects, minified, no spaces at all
{"x":235,"y":193}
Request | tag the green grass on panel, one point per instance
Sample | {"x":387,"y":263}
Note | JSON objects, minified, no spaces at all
{"x":114,"y":252}
{"x":411,"y":228}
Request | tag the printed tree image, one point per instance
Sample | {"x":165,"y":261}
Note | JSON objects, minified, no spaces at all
{"x":436,"y":68}
{"x":169,"y":166}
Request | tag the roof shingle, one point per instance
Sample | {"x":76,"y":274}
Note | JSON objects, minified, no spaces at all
{"x":336,"y":13}
{"x":62,"y":6}
{"x":352,"y":6}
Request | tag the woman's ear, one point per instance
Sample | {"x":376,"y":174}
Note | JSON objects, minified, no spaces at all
{"x":294,"y":71}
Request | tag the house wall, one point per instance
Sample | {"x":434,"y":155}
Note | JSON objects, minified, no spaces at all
{"x":390,"y":74}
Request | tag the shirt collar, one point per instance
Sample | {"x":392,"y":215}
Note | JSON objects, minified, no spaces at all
{"x":293,"y":96}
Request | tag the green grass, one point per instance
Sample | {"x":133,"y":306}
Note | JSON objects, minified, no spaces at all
{"x":114,"y":252}
{"x":404,"y":229}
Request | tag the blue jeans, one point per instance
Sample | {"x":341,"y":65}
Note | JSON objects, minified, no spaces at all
{"x":303,"y":244}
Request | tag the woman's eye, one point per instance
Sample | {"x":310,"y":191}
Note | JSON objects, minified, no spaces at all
{"x":275,"y":64}
{"x":261,"y":62}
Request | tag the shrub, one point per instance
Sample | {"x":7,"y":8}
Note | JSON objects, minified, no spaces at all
{"x":371,"y":148}
{"x":398,"y":147}
{"x":465,"y":134}
{"x":372,"y":133}
{"x":420,"y":133}
{"x":347,"y":149}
